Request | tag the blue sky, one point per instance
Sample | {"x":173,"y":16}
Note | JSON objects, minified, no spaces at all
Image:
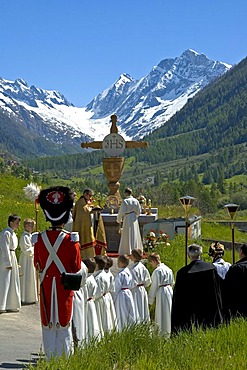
{"x":81,"y":47}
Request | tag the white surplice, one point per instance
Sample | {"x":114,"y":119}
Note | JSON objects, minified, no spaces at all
{"x":123,"y":299}
{"x":222,"y":267}
{"x":79,"y":308}
{"x":10,"y":294}
{"x":161,"y":291}
{"x":103,"y":302}
{"x":128,"y":213}
{"x":27,"y":270}
{"x":92,"y":324}
{"x":142,"y":279}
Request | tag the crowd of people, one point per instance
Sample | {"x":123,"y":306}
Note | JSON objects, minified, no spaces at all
{"x":81,"y":299}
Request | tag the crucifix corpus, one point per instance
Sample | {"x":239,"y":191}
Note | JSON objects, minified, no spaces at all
{"x":114,"y":145}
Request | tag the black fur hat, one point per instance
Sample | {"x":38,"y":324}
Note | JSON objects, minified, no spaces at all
{"x":56,"y":203}
{"x":216,"y":249}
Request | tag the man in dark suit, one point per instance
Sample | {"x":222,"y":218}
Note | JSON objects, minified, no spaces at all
{"x":235,"y":283}
{"x":197,"y":296}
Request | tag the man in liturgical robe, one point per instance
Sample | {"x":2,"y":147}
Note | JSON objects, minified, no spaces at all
{"x":56,"y":252}
{"x":88,"y":222}
{"x":235,"y":283}
{"x":128,"y":214}
{"x":197,"y":296}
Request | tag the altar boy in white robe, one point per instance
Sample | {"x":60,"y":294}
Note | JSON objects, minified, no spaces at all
{"x":103,"y":301}
{"x":142,"y":280}
{"x":79,"y":311}
{"x":161,"y":292}
{"x":10,"y":294}
{"x":92,"y":324}
{"x":27,"y":269}
{"x":123,"y":298}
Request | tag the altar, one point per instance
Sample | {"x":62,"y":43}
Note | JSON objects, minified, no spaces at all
{"x":114,"y":145}
{"x":112,"y":227}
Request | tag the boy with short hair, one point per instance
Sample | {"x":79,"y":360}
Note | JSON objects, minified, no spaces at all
{"x":161,"y":291}
{"x":92,"y":324}
{"x":27,"y":270}
{"x":142,"y":280}
{"x":10,"y":294}
{"x":103,"y":299}
{"x":123,"y":298}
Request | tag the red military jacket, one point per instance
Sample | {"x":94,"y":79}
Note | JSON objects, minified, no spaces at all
{"x":55,"y":301}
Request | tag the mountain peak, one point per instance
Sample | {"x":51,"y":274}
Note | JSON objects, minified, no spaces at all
{"x":141,"y":105}
{"x":123,"y":79}
{"x":22,"y":92}
{"x":20,"y":81}
{"x":148,"y":103}
{"x":191,"y":52}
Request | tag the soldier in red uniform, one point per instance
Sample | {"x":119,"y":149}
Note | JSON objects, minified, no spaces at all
{"x":56,"y":251}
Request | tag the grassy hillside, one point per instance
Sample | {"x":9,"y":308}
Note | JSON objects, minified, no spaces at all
{"x":12,"y":200}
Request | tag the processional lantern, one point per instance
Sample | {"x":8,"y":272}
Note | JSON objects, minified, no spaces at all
{"x":186,"y":201}
{"x":232,"y":209}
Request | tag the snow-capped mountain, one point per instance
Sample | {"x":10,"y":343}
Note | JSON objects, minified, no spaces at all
{"x":148,"y":103}
{"x":141,"y":105}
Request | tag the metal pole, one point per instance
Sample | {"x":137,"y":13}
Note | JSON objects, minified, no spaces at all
{"x":186,"y":236}
{"x":233,"y":244}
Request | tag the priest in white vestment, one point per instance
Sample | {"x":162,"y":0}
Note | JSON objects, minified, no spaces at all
{"x":128,"y":214}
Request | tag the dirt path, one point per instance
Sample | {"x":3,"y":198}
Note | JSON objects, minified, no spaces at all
{"x":20,"y":337}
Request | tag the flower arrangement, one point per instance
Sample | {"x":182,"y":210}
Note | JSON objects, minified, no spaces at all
{"x":150,"y":240}
{"x":163,"y":238}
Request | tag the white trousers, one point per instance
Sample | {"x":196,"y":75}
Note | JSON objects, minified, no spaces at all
{"x":57,"y":341}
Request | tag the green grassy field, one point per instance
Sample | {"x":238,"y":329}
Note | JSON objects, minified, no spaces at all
{"x":142,"y":348}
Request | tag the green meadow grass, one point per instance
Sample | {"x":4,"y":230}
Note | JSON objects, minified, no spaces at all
{"x":216,"y":231}
{"x":140,"y":347}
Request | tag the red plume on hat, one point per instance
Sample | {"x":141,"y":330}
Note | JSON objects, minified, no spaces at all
{"x":56,"y":203}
